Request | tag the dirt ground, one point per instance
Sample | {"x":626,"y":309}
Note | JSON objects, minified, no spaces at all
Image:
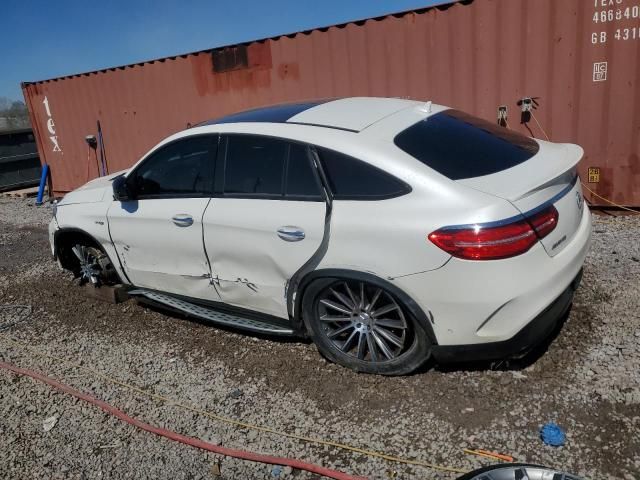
{"x":587,"y":381}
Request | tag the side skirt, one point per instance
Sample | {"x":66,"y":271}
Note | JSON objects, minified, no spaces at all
{"x":214,"y":315}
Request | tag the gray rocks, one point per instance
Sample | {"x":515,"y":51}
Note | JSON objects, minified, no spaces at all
{"x":588,"y":381}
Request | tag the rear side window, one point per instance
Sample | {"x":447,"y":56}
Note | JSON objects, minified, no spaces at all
{"x":269,"y":167}
{"x":182,"y":168}
{"x":301,"y":178}
{"x":254,"y":165}
{"x":459,"y":145}
{"x":352,"y":179}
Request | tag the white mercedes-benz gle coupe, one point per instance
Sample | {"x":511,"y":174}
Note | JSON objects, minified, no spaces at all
{"x":388,"y":231}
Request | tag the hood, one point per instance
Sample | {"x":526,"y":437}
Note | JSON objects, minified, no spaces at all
{"x":97,"y":190}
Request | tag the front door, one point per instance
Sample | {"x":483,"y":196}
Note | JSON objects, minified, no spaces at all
{"x":266,"y":221}
{"x":158,"y":236}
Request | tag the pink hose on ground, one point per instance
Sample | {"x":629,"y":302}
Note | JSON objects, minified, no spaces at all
{"x":194,"y":442}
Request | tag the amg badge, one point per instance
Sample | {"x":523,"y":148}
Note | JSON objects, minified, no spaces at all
{"x":555,"y":245}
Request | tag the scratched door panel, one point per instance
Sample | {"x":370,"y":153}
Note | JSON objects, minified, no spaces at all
{"x":159,"y":251}
{"x":251,"y":260}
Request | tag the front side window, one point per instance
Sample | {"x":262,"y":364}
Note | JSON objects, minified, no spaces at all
{"x":182,"y":168}
{"x":352,"y":179}
{"x":459,"y":145}
{"x":261,"y":166}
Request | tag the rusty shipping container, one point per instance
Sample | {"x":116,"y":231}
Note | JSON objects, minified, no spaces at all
{"x":579,"y":59}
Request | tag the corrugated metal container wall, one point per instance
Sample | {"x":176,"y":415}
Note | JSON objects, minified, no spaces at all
{"x":581,"y":58}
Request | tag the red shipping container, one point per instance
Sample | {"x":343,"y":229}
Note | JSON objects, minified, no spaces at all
{"x":580,"y":60}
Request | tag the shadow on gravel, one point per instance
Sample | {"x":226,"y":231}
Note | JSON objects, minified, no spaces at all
{"x":531,"y":357}
{"x":245,"y":333}
{"x":514,"y":364}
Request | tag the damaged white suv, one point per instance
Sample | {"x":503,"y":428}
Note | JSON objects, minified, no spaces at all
{"x":389,"y":231}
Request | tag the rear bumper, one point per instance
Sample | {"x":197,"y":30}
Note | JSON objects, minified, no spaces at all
{"x":532,"y":335}
{"x":472,"y":302}
{"x":53,"y":228}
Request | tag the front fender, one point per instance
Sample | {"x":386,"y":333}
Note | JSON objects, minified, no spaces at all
{"x":60,"y":233}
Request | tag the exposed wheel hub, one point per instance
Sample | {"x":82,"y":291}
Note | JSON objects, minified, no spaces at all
{"x":87,"y":272}
{"x":89,"y":261}
{"x":363,"y":322}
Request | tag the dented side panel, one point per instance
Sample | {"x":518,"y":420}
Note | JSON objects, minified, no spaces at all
{"x":159,"y":254}
{"x":251,"y":263}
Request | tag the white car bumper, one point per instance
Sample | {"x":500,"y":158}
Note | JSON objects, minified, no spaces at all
{"x":53,"y":227}
{"x":476,"y":302}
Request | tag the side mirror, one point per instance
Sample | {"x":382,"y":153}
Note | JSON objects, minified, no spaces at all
{"x":122,"y":191}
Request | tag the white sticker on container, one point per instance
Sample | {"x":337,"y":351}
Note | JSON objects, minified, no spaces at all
{"x":599,"y":71}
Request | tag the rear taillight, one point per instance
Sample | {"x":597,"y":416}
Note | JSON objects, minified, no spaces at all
{"x":544,"y":222}
{"x":489,"y":242}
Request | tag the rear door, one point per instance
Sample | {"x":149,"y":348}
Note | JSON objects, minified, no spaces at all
{"x":158,"y":236}
{"x":266,"y":221}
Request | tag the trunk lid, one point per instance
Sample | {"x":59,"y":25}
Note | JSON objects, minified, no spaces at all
{"x":529,"y":173}
{"x":548,"y":178}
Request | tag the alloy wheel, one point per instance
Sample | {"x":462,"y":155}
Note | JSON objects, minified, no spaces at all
{"x":517,"y":472}
{"x":363,"y":321}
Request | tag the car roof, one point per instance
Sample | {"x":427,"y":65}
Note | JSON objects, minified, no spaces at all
{"x":353,"y":114}
{"x":330,"y":124}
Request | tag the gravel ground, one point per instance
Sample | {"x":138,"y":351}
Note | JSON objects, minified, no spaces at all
{"x":588,"y":381}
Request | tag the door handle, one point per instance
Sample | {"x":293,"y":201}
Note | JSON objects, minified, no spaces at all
{"x":291,"y":234}
{"x":182,"y":220}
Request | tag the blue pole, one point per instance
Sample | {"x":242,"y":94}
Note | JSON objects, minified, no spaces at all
{"x":43,"y":183}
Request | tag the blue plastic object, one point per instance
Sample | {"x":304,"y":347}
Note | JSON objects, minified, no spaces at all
{"x":553,"y":435}
{"x":43,"y":183}
{"x":276,"y":471}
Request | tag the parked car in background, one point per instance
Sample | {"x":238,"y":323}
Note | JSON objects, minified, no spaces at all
{"x":388,"y":231}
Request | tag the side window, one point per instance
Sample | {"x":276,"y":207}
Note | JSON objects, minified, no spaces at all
{"x":254,"y":165}
{"x":181,"y":168}
{"x":301,"y":178}
{"x":270,"y":167}
{"x":352,"y":179}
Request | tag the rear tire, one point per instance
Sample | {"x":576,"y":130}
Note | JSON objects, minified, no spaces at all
{"x":364,"y":327}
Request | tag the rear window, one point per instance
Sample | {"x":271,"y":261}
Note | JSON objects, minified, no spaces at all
{"x":459,"y":145}
{"x":352,"y":179}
